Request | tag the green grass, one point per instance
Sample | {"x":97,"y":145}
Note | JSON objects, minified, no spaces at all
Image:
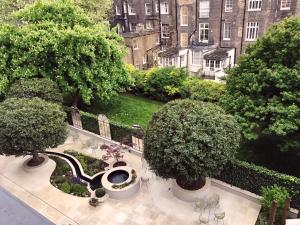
{"x":127,"y":109}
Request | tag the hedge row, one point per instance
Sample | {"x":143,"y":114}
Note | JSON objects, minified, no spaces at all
{"x":252,"y":178}
{"x":119,"y":132}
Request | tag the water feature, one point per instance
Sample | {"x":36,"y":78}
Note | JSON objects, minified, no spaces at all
{"x":118,"y":176}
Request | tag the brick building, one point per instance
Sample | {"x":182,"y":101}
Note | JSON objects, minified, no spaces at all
{"x":205,"y":36}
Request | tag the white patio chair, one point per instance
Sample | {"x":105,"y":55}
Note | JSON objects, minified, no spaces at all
{"x":219,"y":215}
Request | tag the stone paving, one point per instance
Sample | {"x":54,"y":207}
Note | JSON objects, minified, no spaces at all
{"x":153,"y":205}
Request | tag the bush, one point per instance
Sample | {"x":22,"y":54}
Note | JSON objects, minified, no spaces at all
{"x":274,"y":193}
{"x":203,"y":90}
{"x":165,"y":84}
{"x":65,"y":187}
{"x":188,"y":140}
{"x":29,"y":126}
{"x":78,"y":189}
{"x":100,"y":192}
{"x":138,"y":79}
{"x":252,"y":178}
{"x":37,"y":87}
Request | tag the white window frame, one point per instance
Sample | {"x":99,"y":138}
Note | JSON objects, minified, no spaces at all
{"x":254,"y":5}
{"x":131,"y":27}
{"x":131,"y":9}
{"x":184,"y":41}
{"x":124,"y":7}
{"x":285,"y":4}
{"x":118,"y":10}
{"x":164,"y":8}
{"x":196,"y":57}
{"x":149,"y":25}
{"x":184,"y":15}
{"x":204,"y":9}
{"x":202,"y":28}
{"x":148,"y":9}
{"x":156,"y":7}
{"x":135,"y":44}
{"x":252,"y":30}
{"x":227,"y":31}
{"x":212,"y":64}
{"x":144,"y":59}
{"x":228,"y":7}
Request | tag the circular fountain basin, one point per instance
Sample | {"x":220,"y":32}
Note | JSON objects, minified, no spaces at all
{"x":119,"y":176}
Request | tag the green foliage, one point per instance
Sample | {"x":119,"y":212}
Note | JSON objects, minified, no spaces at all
{"x":84,"y":60}
{"x":30,"y":126}
{"x":190,"y":139}
{"x":62,"y":12}
{"x":252,"y":178}
{"x":274,"y":193}
{"x":164,"y":83}
{"x":138,"y":78}
{"x":100,"y":192}
{"x":65,"y":187}
{"x":263,"y":90}
{"x":203,"y":90}
{"x":37,"y":87}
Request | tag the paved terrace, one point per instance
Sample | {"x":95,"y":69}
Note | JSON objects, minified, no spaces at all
{"x":153,"y":205}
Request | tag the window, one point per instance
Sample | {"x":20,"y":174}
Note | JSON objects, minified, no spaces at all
{"x":182,"y":60}
{"x":149,"y":25}
{"x":285,"y":5}
{"x":204,"y":9}
{"x":156,"y":7}
{"x":135,"y":44}
{"x":212,"y":64}
{"x":118,"y":11}
{"x":203,"y":32}
{"x":165,"y":31}
{"x":144,"y":59}
{"x":228,"y":5}
{"x":227,"y":31}
{"x":148,"y":9}
{"x":196,"y":58}
{"x":184,"y":40}
{"x":132,"y":27}
{"x":184,"y":16}
{"x":254,"y":5}
{"x":131,"y":9}
{"x":124,"y":7}
{"x":252,"y":31}
{"x":164,"y":8}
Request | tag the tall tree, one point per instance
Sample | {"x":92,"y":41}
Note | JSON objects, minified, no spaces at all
{"x":97,"y":9}
{"x":264,"y":89}
{"x":57,"y":40}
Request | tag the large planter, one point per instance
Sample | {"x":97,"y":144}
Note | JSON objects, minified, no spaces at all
{"x":110,"y":181}
{"x":190,"y":196}
{"x":34,"y":168}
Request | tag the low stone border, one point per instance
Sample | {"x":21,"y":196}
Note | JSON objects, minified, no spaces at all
{"x":190,"y":196}
{"x":125,"y":192}
{"x":34,"y":168}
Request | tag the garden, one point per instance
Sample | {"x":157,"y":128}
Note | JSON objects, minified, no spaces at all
{"x":193,"y":130}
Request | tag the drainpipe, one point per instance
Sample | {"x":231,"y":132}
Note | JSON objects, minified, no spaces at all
{"x":221,"y":23}
{"x":176,"y":23}
{"x":243,"y":30}
{"x":159,"y":20}
{"x":196,"y":21}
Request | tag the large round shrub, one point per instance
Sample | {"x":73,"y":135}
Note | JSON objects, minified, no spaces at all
{"x":29,"y":126}
{"x":189,"y":140}
{"x":37,"y":87}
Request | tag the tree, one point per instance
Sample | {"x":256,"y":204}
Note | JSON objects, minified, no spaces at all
{"x":83,"y":59}
{"x":29,"y":126}
{"x":96,"y":9}
{"x":43,"y":88}
{"x":263,"y":90}
{"x":189,"y":140}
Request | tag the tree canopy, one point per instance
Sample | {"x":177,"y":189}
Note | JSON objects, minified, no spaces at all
{"x":29,"y":126}
{"x":82,"y":58}
{"x":189,"y":139}
{"x":43,"y":88}
{"x":263,"y":90}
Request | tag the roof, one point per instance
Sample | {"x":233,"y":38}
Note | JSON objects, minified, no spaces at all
{"x":218,"y":54}
{"x":15,"y":212}
{"x":169,"y":52}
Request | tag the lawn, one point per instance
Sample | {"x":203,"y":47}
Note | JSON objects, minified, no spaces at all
{"x":127,"y":109}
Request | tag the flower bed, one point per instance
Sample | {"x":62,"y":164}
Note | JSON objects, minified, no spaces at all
{"x":90,"y":165}
{"x":63,"y":179}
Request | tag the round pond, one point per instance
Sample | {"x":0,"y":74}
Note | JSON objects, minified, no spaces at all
{"x":118,"y":176}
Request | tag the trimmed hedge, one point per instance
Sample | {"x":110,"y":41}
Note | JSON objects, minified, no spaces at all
{"x":252,"y":178}
{"x":119,"y":132}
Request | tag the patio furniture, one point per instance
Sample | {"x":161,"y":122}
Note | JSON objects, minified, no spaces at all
{"x":204,"y":219}
{"x":219,"y":215}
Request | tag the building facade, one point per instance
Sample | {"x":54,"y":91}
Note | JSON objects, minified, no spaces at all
{"x":205,"y":36}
